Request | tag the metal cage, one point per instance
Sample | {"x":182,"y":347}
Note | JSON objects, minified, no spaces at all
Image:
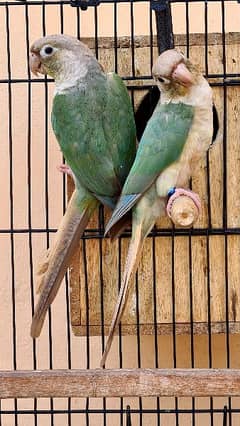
{"x":33,"y":207}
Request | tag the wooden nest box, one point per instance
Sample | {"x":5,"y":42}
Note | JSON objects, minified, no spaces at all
{"x":189,"y":279}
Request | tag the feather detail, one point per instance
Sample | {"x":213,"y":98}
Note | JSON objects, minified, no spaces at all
{"x":125,"y":203}
{"x":57,"y":260}
{"x":131,"y":267}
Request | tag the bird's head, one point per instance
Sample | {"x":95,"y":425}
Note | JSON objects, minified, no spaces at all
{"x":55,"y":54}
{"x":173,"y":72}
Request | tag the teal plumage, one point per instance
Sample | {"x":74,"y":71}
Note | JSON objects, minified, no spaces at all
{"x":95,"y":129}
{"x":93,"y":121}
{"x":177,"y":135}
{"x":161,"y":145}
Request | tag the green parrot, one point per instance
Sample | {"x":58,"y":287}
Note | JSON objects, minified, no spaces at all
{"x":93,"y":121}
{"x":177,"y":135}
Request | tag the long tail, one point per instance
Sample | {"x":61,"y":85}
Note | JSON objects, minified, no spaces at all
{"x":54,"y":266}
{"x":132,"y":261}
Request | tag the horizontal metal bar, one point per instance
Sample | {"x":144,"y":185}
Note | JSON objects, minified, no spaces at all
{"x":27,"y":231}
{"x":67,"y":2}
{"x":118,"y":411}
{"x":226,"y":83}
{"x":161,"y":232}
{"x":100,"y":383}
{"x":226,"y":77}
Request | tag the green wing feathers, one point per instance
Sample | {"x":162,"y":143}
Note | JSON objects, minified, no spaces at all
{"x":97,"y":137}
{"x":161,"y":144}
{"x":121,"y":122}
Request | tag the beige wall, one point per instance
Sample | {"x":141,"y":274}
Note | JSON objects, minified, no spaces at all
{"x":24,"y":347}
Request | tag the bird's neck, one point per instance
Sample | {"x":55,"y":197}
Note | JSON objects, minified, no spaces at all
{"x":75,"y":73}
{"x":199,"y":95}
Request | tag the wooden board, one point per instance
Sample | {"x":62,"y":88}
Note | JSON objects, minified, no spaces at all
{"x":99,"y":383}
{"x":193,"y":279}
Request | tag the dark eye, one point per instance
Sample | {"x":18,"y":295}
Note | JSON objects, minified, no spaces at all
{"x":161,"y":80}
{"x":48,"y":50}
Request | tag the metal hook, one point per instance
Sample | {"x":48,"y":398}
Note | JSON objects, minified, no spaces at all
{"x":128,"y":416}
{"x":225,"y":415}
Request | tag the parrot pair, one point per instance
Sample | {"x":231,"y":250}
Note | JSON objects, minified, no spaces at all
{"x":94,"y":124}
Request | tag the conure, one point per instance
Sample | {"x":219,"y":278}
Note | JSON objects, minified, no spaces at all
{"x":93,"y":120}
{"x":177,"y":135}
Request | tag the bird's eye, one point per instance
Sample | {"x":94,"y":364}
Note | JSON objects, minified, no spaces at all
{"x":163,"y":80}
{"x":48,"y":50}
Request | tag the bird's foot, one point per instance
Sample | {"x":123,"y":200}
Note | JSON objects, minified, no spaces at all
{"x":183,"y":207}
{"x":64,"y":168}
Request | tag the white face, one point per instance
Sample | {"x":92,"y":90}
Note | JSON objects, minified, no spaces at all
{"x":169,"y":72}
{"x":41,"y":61}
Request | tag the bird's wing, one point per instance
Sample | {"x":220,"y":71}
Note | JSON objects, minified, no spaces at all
{"x":161,"y":145}
{"x":119,"y":126}
{"x":94,"y":125}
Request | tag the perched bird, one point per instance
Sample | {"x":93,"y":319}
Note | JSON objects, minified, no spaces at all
{"x":177,"y":135}
{"x":93,"y":121}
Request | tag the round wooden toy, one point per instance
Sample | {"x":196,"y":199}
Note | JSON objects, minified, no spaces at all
{"x":183,"y":207}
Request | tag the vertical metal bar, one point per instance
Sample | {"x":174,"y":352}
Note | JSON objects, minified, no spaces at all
{"x":225,"y":416}
{"x":224,"y":119}
{"x":206,"y":36}
{"x":128,"y":416}
{"x":47,"y":201}
{"x":101,"y":225}
{"x":87,"y":321}
{"x":191,"y":319}
{"x":10,"y":135}
{"x":138,"y":341}
{"x":209,"y":223}
{"x":115,"y":10}
{"x":209,"y":319}
{"x":78,"y":22}
{"x":101,"y":282}
{"x":190,"y":242}
{"x":29,"y":179}
{"x":132,"y":37}
{"x":151,"y":38}
{"x":174,"y":322}
{"x":120,"y":327}
{"x":115,"y":37}
{"x":64,"y":192}
{"x":225,"y":201}
{"x":96,"y":30}
{"x":155,"y":317}
{"x":187,"y":28}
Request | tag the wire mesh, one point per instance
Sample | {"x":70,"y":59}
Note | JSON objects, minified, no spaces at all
{"x":35,"y":199}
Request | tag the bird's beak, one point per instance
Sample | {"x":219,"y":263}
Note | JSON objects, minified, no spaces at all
{"x":182,"y":75}
{"x":35,"y":63}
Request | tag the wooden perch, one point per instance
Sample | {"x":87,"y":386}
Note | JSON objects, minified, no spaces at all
{"x":183,"y":208}
{"x":119,"y":383}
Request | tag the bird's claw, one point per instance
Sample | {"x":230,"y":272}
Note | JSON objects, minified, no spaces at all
{"x":64,"y":168}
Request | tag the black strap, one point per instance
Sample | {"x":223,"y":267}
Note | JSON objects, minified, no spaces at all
{"x":163,"y":14}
